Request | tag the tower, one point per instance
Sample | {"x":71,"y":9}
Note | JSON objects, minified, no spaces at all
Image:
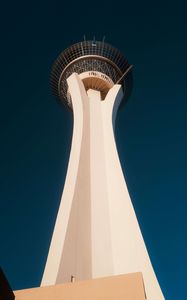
{"x":96,"y":232}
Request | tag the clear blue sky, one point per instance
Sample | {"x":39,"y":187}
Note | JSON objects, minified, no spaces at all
{"x":35,"y":130}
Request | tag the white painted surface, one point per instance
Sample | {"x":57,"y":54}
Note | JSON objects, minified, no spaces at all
{"x":96,"y":232}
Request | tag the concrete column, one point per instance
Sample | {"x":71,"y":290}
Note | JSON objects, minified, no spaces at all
{"x":96,"y":232}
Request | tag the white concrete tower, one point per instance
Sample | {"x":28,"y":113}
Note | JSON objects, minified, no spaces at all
{"x":96,"y":232}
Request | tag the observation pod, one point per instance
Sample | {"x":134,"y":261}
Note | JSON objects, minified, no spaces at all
{"x":96,"y":232}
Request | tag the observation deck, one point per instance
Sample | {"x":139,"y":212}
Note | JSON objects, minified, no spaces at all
{"x":99,"y":65}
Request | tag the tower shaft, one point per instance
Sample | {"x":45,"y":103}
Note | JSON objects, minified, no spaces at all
{"x":96,"y":232}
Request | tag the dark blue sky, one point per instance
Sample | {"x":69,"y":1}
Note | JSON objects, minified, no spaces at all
{"x":35,"y":130}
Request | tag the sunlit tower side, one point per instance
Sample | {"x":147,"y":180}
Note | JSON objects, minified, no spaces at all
{"x":96,"y":232}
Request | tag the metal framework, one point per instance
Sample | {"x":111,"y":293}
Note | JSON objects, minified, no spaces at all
{"x":89,"y":56}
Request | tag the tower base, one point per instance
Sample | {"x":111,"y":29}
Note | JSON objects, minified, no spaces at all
{"x":121,"y":287}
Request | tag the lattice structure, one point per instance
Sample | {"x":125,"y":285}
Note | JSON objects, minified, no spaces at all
{"x":89,"y":56}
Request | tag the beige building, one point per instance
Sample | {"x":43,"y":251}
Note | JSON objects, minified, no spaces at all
{"x":122,"y":287}
{"x":97,"y":243}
